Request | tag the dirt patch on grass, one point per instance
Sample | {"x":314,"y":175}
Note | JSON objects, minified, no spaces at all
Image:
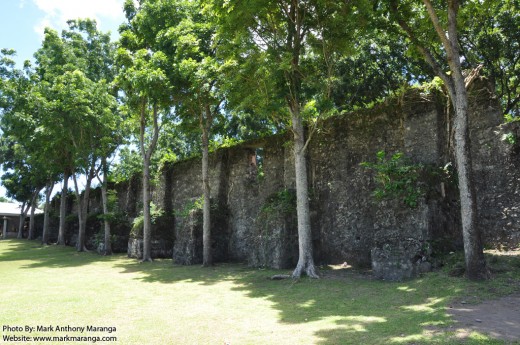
{"x":499,"y":318}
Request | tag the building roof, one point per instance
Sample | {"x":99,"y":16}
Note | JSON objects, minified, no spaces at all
{"x":11,"y":209}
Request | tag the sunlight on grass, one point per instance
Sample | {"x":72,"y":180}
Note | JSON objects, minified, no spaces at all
{"x":406,"y":289}
{"x":413,"y":338}
{"x":432,"y":305}
{"x":308,"y":304}
{"x":161,"y":303}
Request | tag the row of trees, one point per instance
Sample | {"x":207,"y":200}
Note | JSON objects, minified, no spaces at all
{"x":187,"y":74}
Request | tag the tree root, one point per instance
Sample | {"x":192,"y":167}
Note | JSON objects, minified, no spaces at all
{"x":83,"y":249}
{"x":308,"y":269}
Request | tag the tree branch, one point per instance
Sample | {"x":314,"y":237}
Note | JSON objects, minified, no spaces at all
{"x":434,"y":64}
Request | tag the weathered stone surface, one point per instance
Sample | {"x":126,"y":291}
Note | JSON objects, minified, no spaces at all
{"x":399,"y":261}
{"x":160,"y":248}
{"x":188,"y":245}
{"x":348,"y":224}
{"x":274,"y":242}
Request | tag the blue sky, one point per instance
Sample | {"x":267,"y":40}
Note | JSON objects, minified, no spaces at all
{"x":22,"y":22}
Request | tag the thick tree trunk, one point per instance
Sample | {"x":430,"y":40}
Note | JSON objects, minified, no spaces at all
{"x":147,"y":224}
{"x":4,"y":229}
{"x":305,"y":261}
{"x":63,"y":209}
{"x":104,"y":197}
{"x":207,"y":259}
{"x":21,"y":223}
{"x":147,"y":155}
{"x":476,"y":268}
{"x":30,"y":236}
{"x":83,"y":210}
{"x":45,"y":232}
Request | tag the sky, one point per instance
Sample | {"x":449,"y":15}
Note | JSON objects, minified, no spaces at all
{"x":22,"y":22}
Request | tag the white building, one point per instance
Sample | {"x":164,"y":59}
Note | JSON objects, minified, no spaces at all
{"x":10,"y":218}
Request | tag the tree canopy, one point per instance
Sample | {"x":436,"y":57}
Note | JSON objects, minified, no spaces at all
{"x":187,"y":76}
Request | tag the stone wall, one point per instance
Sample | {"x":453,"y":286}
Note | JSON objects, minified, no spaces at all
{"x":348,"y":224}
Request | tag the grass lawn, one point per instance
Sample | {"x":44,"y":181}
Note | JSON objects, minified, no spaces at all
{"x":159,"y":303}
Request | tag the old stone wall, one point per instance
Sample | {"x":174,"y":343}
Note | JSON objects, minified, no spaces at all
{"x":348,"y":223}
{"x":253,"y":218}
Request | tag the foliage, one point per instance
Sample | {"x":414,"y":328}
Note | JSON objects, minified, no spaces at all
{"x":99,"y":238}
{"x":129,"y":164}
{"x":510,"y":138}
{"x":380,"y":64}
{"x":491,"y":35}
{"x":114,"y":215}
{"x":282,"y":202}
{"x":508,"y":118}
{"x":397,"y":178}
{"x":435,"y":85}
{"x":191,"y":206}
{"x":138,"y":224}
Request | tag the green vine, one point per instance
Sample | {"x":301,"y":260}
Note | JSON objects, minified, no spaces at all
{"x":137,"y":227}
{"x":510,"y":138}
{"x":281,"y":202}
{"x":397,"y":178}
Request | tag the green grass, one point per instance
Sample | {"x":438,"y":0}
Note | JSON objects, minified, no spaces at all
{"x":159,"y":303}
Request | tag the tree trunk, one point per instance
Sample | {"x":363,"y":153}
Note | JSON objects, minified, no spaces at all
{"x":4,"y":228}
{"x":104,"y":196}
{"x":476,"y":268}
{"x":83,"y":210}
{"x":30,"y":236}
{"x":305,"y":261}
{"x":147,"y":224}
{"x":207,"y":259}
{"x":147,"y":155}
{"x":48,"y":192}
{"x":63,"y":208}
{"x":23,"y":213}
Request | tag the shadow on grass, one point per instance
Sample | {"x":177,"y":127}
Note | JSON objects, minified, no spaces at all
{"x":343,"y":308}
{"x":37,"y":255}
{"x":346,"y":308}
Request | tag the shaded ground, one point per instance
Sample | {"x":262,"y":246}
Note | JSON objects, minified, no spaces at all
{"x":157,"y":303}
{"x":500,"y":318}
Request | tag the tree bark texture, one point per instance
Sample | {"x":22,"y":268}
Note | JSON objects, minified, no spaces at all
{"x":30,"y":236}
{"x":83,"y":210}
{"x":63,"y":208}
{"x":45,"y":232}
{"x":305,"y":260}
{"x":147,"y":155}
{"x":104,"y":196}
{"x":476,"y":268}
{"x":295,"y":37}
{"x":23,"y":214}
{"x":207,"y":255}
{"x":4,"y":229}
{"x":147,"y":224}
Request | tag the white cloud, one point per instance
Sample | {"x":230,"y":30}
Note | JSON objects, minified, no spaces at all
{"x":57,"y":12}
